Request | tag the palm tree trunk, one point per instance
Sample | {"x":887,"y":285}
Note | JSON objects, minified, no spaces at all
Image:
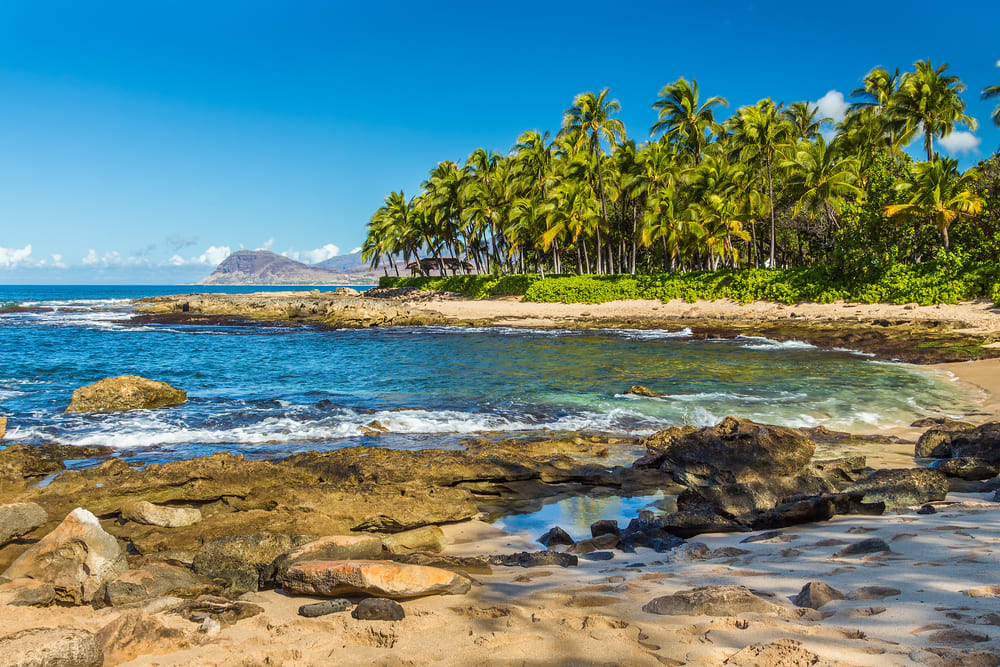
{"x":635,"y":231}
{"x":770,"y":199}
{"x":929,"y":144}
{"x":604,"y":203}
{"x":579,"y":260}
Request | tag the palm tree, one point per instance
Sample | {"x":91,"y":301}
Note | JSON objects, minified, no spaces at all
{"x":591,"y":115}
{"x":571,"y":210}
{"x":937,"y":192}
{"x":930,"y":102}
{"x":988,"y":93}
{"x":683,"y":121}
{"x":759,"y":134}
{"x":804,"y":117}
{"x":820,"y":178}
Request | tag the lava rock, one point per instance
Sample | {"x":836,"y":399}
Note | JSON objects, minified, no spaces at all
{"x":556,"y":536}
{"x":605,"y":527}
{"x":535,"y":559}
{"x":378,"y":609}
{"x":325,"y":607}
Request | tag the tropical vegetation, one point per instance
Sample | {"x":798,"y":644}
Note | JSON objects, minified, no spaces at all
{"x":797,"y":197}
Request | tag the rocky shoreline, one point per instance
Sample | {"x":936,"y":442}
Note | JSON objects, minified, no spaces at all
{"x":920,"y":340}
{"x":173,"y":554}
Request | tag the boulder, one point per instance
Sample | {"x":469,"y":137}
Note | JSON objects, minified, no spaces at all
{"x":712,"y":601}
{"x":126,"y":392}
{"x":379,"y":578}
{"x":157,"y":515}
{"x":425,"y":538}
{"x":157,"y":579}
{"x":605,"y":527}
{"x":378,"y":609}
{"x":735,"y":450}
{"x":904,"y":487}
{"x":555,"y":537}
{"x":968,"y":468}
{"x":325,"y":607}
{"x":27,"y":593}
{"x":136,"y":634}
{"x":332,"y":547}
{"x":864,"y":547}
{"x":982,"y":442}
{"x":639,"y":390}
{"x":19,"y":519}
{"x":535,"y":559}
{"x":245,"y":561}
{"x":77,"y":558}
{"x":51,"y":647}
{"x":815,"y":594}
{"x":602,"y":542}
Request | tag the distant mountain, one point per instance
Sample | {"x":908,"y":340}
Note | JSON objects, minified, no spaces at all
{"x":346,"y":264}
{"x":260,"y":267}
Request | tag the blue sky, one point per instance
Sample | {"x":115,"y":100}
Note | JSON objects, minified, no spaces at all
{"x":140,"y":141}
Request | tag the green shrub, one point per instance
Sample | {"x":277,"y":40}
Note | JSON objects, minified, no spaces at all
{"x":948,"y":279}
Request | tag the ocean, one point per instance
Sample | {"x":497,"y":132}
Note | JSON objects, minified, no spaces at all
{"x":266,"y":391}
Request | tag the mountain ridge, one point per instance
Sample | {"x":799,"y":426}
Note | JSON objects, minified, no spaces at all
{"x":263,"y":267}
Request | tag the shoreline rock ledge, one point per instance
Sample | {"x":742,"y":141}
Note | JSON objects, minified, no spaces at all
{"x":378,"y":578}
{"x":125,"y":392}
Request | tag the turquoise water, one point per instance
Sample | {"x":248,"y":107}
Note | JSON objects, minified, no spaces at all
{"x":269,"y":391}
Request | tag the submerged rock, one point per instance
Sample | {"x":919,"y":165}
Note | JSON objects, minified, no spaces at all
{"x":77,"y":558}
{"x":51,"y":647}
{"x":19,"y":519}
{"x":712,"y":601}
{"x":381,"y":578}
{"x":126,"y":392}
{"x":379,"y":609}
{"x":157,"y":515}
{"x":639,"y":390}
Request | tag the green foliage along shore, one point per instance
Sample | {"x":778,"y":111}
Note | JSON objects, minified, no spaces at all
{"x":772,"y":186}
{"x":947,"y":281}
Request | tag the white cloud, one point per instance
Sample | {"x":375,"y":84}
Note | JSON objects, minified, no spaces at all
{"x":91,"y":258}
{"x":211,"y":257}
{"x":267,"y":246}
{"x":355,"y":251}
{"x":11,"y":257}
{"x":961,"y":141}
{"x":316,"y":256}
{"x":57,"y":261}
{"x":833,"y":105}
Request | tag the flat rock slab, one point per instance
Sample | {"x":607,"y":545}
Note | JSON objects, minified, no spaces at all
{"x":51,"y":647}
{"x":381,"y":578}
{"x":19,"y":519}
{"x":325,"y":607}
{"x":157,"y":515}
{"x":712,"y":601}
{"x":425,"y":538}
{"x":535,"y":559}
{"x":332,"y":547}
{"x":873,"y":593}
{"x":379,"y":609}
